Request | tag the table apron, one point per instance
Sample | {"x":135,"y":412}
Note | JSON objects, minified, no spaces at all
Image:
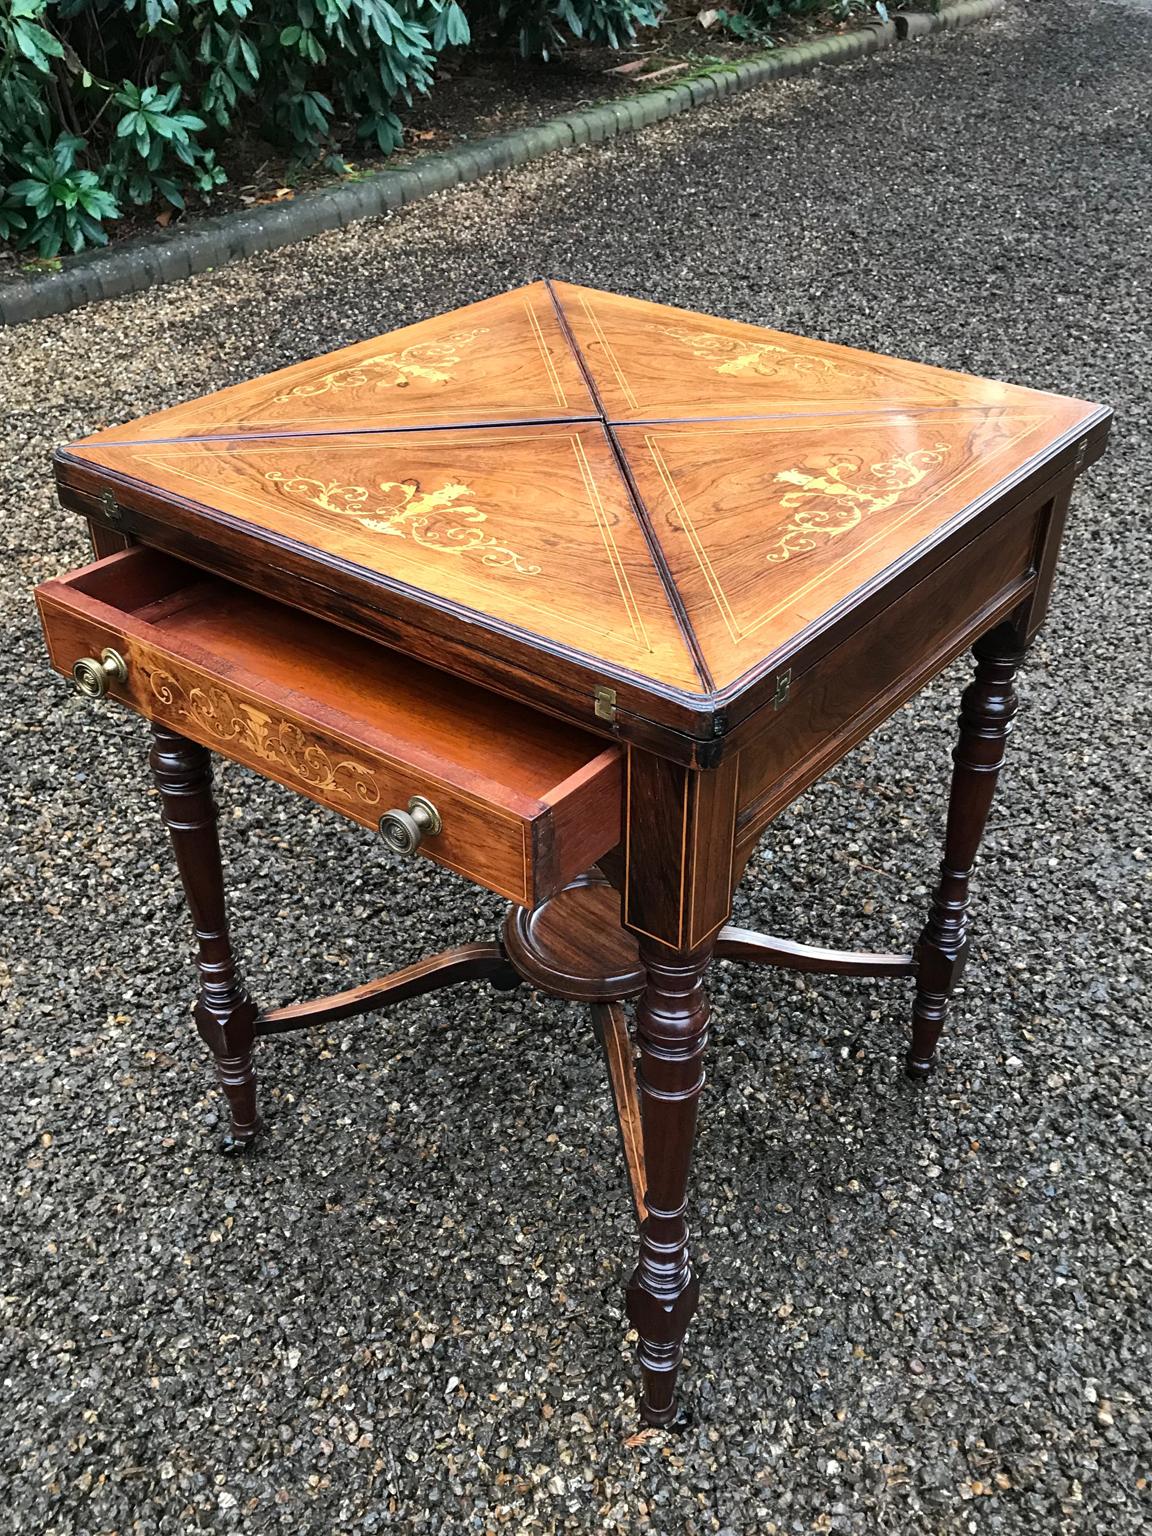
{"x":859,"y":683}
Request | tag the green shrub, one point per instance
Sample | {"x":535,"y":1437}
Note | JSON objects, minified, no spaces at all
{"x":543,"y":27}
{"x":760,"y":19}
{"x":105,"y":104}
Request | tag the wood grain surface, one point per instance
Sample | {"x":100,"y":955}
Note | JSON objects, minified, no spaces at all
{"x":766,"y":526}
{"x":501,"y":536}
{"x":574,"y":947}
{"x":339,"y":719}
{"x":855,"y":686}
{"x":611,"y":1025}
{"x":505,"y":359}
{"x":563,"y":483}
{"x":533,"y":526}
{"x":651,"y":362}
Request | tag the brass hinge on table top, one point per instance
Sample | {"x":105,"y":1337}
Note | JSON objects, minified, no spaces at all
{"x":108,"y":506}
{"x":604,"y":699}
{"x":1081,"y":454}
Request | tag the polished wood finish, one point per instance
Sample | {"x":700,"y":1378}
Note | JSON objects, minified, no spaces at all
{"x":1054,"y":517}
{"x":574,"y":947}
{"x":680,"y":898}
{"x":650,"y":362}
{"x":527,"y":803}
{"x":987,"y":711}
{"x":468,"y":518}
{"x":225,"y":1014}
{"x":859,"y":683}
{"x":767,"y":526}
{"x":762,"y":949}
{"x":503,"y":360}
{"x":678,"y":878}
{"x":611,"y":1027}
{"x":672,"y":1033}
{"x":106,"y":541}
{"x":712,"y":501}
{"x":610,"y":584}
{"x":467,"y":962}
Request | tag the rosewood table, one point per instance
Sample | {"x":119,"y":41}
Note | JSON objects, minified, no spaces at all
{"x":571,"y":594}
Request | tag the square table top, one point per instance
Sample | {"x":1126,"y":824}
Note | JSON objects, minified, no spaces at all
{"x":636,"y":493}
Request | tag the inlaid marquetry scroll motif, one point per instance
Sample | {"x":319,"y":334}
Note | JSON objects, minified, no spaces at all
{"x":280,"y":744}
{"x":736,"y":355}
{"x":430,"y":361}
{"x":834,"y":498}
{"x":440,"y":520}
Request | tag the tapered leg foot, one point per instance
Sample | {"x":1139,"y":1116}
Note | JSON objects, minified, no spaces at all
{"x":672,"y":1031}
{"x":225,"y":1015}
{"x":238,"y":1081}
{"x":919,"y":1068}
{"x":986,"y":715}
{"x":660,"y":1359}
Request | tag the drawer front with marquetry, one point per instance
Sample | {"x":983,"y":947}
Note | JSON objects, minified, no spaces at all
{"x":504,"y":796}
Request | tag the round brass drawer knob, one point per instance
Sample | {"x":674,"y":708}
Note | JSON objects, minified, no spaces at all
{"x":91,"y":677}
{"x":404,"y":831}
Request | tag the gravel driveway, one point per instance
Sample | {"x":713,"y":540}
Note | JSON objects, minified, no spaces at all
{"x":925,"y":1310}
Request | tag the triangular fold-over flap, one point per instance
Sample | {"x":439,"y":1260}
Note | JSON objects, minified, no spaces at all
{"x":527,"y":526}
{"x":649,"y":362}
{"x":767,"y":526}
{"x":505,"y":359}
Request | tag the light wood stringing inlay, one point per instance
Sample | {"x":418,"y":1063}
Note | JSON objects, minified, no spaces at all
{"x":569,"y":560}
{"x":620,"y":1056}
{"x":766,"y":526}
{"x":241,"y":725}
{"x":686,"y":498}
{"x":650,"y":362}
{"x":526,"y":802}
{"x":504,"y":359}
{"x":434,"y":519}
{"x":430,"y":361}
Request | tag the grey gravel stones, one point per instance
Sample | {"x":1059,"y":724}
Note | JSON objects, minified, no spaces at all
{"x":213,"y":241}
{"x":924,"y":1310}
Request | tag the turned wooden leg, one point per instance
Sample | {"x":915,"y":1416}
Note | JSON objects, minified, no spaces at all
{"x":986,"y":713}
{"x":225,"y":1015}
{"x":672,"y":1032}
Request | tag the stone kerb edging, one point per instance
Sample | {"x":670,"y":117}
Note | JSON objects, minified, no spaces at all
{"x":215,"y":241}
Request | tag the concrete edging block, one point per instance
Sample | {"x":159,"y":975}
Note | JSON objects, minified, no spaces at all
{"x":140,"y":264}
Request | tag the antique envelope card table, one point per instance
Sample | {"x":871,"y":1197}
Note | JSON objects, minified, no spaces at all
{"x":570,"y":593}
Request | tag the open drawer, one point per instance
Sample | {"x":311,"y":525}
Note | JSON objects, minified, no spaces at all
{"x":524,"y":803}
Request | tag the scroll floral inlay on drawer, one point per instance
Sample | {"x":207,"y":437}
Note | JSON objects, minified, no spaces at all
{"x":505,"y":796}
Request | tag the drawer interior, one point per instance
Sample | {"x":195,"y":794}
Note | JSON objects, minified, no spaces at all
{"x":562,"y":782}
